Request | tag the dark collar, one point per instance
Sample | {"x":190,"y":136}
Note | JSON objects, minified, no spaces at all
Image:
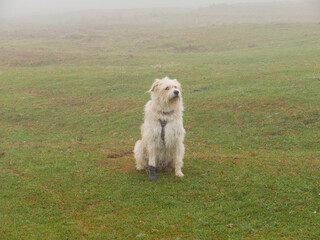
{"x":166,"y":113}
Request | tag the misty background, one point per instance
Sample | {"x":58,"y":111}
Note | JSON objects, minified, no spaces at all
{"x":13,"y":8}
{"x":142,"y":12}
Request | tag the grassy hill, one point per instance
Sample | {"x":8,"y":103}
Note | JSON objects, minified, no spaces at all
{"x":71,"y":105}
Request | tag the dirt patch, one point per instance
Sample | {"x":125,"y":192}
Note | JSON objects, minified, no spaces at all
{"x":56,"y":99}
{"x":13,"y":172}
{"x":120,"y":160}
{"x":216,"y":157}
{"x":199,"y":89}
{"x":189,"y":48}
{"x":21,"y":57}
{"x":82,"y":225}
{"x":252,"y":154}
{"x":41,"y":93}
{"x":121,"y":164}
{"x":2,"y":154}
{"x":20,"y":175}
{"x":119,"y":154}
{"x":43,"y":187}
{"x":110,"y":106}
{"x":276,"y":172}
{"x":243,"y":104}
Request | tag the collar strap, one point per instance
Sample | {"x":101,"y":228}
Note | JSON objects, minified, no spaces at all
{"x":163,"y":123}
{"x":166,"y":113}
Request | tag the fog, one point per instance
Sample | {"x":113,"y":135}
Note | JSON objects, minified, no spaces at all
{"x":181,"y":12}
{"x":18,"y":8}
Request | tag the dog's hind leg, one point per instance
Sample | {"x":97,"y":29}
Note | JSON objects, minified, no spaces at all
{"x":140,"y":156}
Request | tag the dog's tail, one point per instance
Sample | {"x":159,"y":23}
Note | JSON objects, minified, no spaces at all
{"x":140,"y":156}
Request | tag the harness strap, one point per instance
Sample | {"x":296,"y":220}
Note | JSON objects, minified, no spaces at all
{"x":163,"y":123}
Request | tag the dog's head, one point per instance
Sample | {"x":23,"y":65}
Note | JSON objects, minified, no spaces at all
{"x":166,"y":90}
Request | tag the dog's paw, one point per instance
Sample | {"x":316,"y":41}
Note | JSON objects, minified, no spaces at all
{"x":140,"y":168}
{"x":152,"y":177}
{"x":152,"y":173}
{"x":179,"y":174}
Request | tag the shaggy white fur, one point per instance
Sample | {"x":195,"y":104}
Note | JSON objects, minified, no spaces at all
{"x":162,"y":146}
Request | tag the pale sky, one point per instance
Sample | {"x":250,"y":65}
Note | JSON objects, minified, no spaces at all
{"x":14,"y":8}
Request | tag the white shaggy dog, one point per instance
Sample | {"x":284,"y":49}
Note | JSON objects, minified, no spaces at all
{"x":162,"y":132}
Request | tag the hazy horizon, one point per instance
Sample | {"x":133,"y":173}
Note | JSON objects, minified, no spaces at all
{"x":20,"y":8}
{"x":143,"y":12}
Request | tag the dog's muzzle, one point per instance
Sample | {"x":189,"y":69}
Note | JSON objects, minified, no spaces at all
{"x":176,"y":94}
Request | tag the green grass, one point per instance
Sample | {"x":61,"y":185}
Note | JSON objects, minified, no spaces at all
{"x":71,"y":106}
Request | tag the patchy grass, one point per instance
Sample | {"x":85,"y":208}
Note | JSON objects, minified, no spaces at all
{"x":71,"y":105}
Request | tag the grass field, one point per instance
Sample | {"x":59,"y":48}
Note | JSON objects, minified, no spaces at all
{"x":71,"y":106}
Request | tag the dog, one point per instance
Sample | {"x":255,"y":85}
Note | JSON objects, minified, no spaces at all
{"x":161,"y":146}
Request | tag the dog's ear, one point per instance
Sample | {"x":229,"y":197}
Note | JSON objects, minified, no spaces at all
{"x":154,"y":86}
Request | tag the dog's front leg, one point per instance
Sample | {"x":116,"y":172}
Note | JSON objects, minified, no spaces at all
{"x":178,"y":162}
{"x":178,"y":171}
{"x":152,"y":165}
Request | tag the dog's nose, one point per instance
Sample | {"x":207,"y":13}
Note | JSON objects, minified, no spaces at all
{"x":176,"y":92}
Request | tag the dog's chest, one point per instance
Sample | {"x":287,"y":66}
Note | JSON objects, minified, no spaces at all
{"x":167,"y":134}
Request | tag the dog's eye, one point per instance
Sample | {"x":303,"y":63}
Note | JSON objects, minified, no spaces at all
{"x":167,"y":88}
